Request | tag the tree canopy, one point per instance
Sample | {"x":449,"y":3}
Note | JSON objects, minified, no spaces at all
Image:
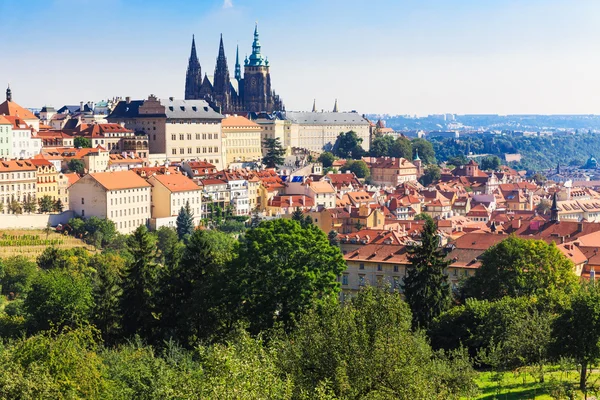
{"x":326,"y":158}
{"x":274,"y":152}
{"x":358,"y":167}
{"x":348,"y":145}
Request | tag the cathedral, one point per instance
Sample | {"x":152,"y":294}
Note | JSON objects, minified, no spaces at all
{"x":251,"y":93}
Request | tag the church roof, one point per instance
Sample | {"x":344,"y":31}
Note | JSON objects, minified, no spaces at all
{"x":15,"y":110}
{"x":325,"y":118}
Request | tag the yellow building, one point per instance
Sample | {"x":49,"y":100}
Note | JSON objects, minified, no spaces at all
{"x":171,"y":192}
{"x":391,"y":171}
{"x":47,"y":179}
{"x":241,"y":139}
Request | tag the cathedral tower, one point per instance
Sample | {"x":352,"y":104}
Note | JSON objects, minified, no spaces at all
{"x":257,"y":80}
{"x":222,"y":85}
{"x":193,"y":77}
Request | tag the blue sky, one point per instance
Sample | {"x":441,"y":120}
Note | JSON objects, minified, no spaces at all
{"x":378,"y":56}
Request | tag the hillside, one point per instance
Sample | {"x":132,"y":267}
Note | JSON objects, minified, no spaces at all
{"x":32,"y":242}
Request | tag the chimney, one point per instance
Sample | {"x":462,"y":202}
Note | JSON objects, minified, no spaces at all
{"x":580,"y":227}
{"x":128,"y":100}
{"x":81,"y":106}
{"x":592,"y":274}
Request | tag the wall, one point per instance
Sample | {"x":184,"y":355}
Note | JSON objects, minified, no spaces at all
{"x":34,"y":221}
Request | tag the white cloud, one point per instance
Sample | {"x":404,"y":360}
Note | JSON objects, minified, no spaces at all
{"x":227,"y":3}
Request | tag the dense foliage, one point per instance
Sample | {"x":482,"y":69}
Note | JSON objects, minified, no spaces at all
{"x":274,"y":152}
{"x":348,"y":145}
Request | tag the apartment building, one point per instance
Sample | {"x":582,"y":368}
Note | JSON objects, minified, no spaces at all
{"x":47,"y":179}
{"x":171,"y":192}
{"x":123,"y":197}
{"x":241,"y":139}
{"x":17,"y":181}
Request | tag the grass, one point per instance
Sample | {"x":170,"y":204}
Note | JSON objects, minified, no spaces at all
{"x":31,"y":252}
{"x":516,"y":386}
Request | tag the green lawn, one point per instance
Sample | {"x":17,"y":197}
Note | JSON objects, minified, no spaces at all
{"x":515,"y":386}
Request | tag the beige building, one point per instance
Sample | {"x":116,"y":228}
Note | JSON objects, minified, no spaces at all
{"x":241,"y":139}
{"x":17,"y":182}
{"x":171,"y":192}
{"x":391,"y":171}
{"x":180,"y":129}
{"x":123,"y":197}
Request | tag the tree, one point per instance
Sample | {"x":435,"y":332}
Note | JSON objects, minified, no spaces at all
{"x":359,"y":168}
{"x":58,"y":206}
{"x":77,"y":166}
{"x":107,"y":291}
{"x":490,"y":163}
{"x":15,"y":207}
{"x":576,"y":332}
{"x":426,"y":285}
{"x":326,"y":158}
{"x":46,"y":204}
{"x":58,"y":298}
{"x":140,"y":284}
{"x":298,"y":215}
{"x":274,"y":153}
{"x":198,"y":298}
{"x":168,"y":245}
{"x":431,"y":175}
{"x":425,"y":150}
{"x":539,"y":178}
{"x":29,"y":204}
{"x":348,"y":145}
{"x":82,"y":142}
{"x":380,"y":145}
{"x":521,"y":267}
{"x":185,"y":222}
{"x":282,"y":269}
{"x":105,"y":227}
{"x":401,"y":148}
{"x":18,"y":273}
{"x":364,"y":348}
{"x":333,"y":238}
{"x":423,"y":216}
{"x":543,"y":206}
{"x":457,"y":161}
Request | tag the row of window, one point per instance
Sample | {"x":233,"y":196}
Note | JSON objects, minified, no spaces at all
{"x":17,"y":175}
{"x":124,"y":213}
{"x":189,"y":150}
{"x":204,"y":136}
{"x":129,"y":199}
{"x":11,"y":188}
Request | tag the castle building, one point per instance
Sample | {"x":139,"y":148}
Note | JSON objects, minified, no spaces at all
{"x":252,"y":93}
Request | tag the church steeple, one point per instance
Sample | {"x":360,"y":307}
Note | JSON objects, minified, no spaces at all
{"x":256,"y":59}
{"x":335,"y":106}
{"x":554,"y":209}
{"x":193,"y":77}
{"x":314,"y":105}
{"x":238,"y":68}
{"x":8,"y":93}
{"x":221,"y":85}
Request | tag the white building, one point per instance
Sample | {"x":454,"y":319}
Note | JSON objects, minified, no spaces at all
{"x":25,"y":144}
{"x":123,"y":197}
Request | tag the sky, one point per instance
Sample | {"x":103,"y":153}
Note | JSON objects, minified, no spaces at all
{"x":410,"y":57}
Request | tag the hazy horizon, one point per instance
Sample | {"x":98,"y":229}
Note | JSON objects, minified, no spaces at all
{"x":378,"y":57}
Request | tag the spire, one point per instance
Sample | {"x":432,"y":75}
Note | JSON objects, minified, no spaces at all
{"x":554,"y":209}
{"x":238,"y":68}
{"x":256,"y":59}
{"x":314,"y":105}
{"x":335,"y":107}
{"x":416,"y":155}
{"x":8,"y":93}
{"x":193,"y":77}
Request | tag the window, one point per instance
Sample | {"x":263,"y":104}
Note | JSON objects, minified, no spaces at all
{"x":189,"y":136}
{"x":345,"y":279}
{"x":379,"y":268}
{"x":395,"y":268}
{"x":181,"y":137}
{"x":83,"y":213}
{"x":82,"y":200}
{"x":174,"y":151}
{"x":181,"y":150}
{"x":361,"y":266}
{"x":173,"y":137}
{"x":361,"y":280}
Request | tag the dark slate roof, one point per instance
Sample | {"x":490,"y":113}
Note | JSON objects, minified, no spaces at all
{"x":128,"y":110}
{"x":325,"y":118}
{"x":175,"y":109}
{"x":47,"y":109}
{"x":68,"y":109}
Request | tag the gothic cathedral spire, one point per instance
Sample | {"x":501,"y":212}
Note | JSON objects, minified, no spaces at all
{"x":238,"y":68}
{"x":193,"y":77}
{"x":335,"y":106}
{"x":8,"y":94}
{"x":314,"y":105}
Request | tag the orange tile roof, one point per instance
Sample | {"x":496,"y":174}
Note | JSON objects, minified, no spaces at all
{"x":177,"y":182}
{"x":40,"y":162}
{"x":15,"y":110}
{"x":16,"y":165}
{"x":72,"y":178}
{"x":4,"y":121}
{"x":119,"y":180}
{"x":322,"y":187}
{"x":237,"y":121}
{"x":17,"y":122}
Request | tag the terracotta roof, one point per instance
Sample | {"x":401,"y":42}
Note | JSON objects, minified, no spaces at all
{"x":322,"y":187}
{"x":177,"y":182}
{"x":15,"y":110}
{"x":4,"y":121}
{"x":72,"y":178}
{"x":237,"y":121}
{"x":118,"y":180}
{"x":40,"y":162}
{"x":16,"y":165}
{"x":388,"y":162}
{"x":573,"y":253}
{"x":291,"y":201}
{"x":385,"y":254}
{"x":206,"y":182}
{"x":100,"y":130}
{"x":17,"y":122}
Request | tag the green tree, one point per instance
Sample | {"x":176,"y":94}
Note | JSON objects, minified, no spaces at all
{"x":348,"y":145}
{"x":140,"y":285}
{"x":489,"y":163}
{"x":29,"y":204}
{"x":333,"y":238}
{"x":425,"y":150}
{"x":274,"y":152}
{"x":185,"y":222}
{"x":326,"y":158}
{"x":431,"y":175}
{"x":521,"y":267}
{"x":197,"y":292}
{"x":457,"y":161}
{"x":426,"y":285}
{"x":100,"y":231}
{"x":380,"y":145}
{"x":18,"y":273}
{"x":15,"y":207}
{"x":401,"y":148}
{"x":359,"y":168}
{"x":76,"y":165}
{"x":107,"y":290}
{"x":539,"y":178}
{"x":282,"y":269}
{"x":58,"y":206}
{"x":423,"y":216}
{"x":82,"y":142}
{"x":365,"y":348}
{"x":576,"y":332}
{"x":58,"y":298}
{"x":168,"y":245}
{"x":543,"y":206}
{"x":46,"y":204}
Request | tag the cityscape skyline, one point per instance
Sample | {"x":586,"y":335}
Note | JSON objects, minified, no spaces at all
{"x":413,"y":59}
